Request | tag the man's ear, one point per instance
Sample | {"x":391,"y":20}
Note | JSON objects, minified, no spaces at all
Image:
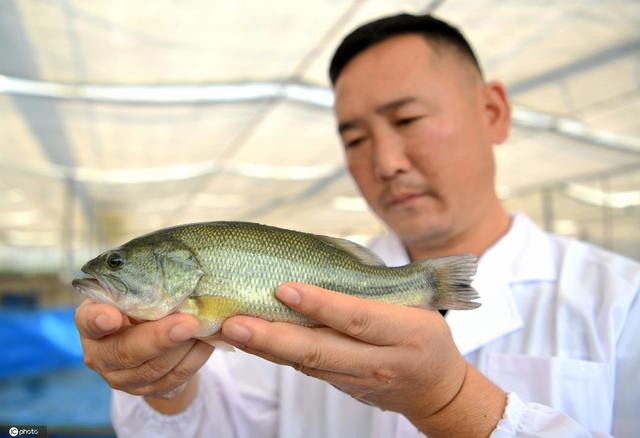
{"x":498,"y":111}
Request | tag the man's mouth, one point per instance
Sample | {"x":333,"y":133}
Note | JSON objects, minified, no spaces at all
{"x":398,"y":199}
{"x":402,"y":198}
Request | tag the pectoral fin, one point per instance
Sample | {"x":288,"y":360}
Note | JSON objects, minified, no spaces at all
{"x":210,"y":311}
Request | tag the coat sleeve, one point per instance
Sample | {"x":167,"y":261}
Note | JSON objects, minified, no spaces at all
{"x":237,"y":397}
{"x":533,"y":420}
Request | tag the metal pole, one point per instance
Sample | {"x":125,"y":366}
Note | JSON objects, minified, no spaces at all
{"x":547,"y":209}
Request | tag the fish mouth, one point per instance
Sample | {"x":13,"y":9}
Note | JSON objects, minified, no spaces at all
{"x":91,"y":287}
{"x":110,"y":290}
{"x":97,"y":287}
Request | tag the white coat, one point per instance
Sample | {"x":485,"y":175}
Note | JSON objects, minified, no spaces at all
{"x":558,"y":330}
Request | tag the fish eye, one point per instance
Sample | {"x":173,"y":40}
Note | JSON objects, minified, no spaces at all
{"x":115,"y":260}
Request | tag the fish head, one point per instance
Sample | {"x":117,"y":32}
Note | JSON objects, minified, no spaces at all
{"x":144,"y":278}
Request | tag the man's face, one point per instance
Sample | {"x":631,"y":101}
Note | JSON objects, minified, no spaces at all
{"x":415,"y":129}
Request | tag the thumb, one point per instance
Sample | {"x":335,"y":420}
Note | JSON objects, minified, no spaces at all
{"x":96,"y":320}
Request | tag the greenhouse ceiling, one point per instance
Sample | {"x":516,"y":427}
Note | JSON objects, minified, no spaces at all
{"x":117,"y":117}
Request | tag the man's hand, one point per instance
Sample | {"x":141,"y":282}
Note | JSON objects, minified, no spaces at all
{"x":155,"y":359}
{"x":397,"y":358}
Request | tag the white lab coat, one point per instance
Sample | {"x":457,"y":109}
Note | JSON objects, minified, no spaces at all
{"x":557,"y":329}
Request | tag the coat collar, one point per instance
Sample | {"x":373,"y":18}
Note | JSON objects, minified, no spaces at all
{"x":523,"y":254}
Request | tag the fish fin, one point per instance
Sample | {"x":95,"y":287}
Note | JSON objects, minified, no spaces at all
{"x":181,"y":271}
{"x":210,"y":311}
{"x":452,"y":277}
{"x":358,"y":252}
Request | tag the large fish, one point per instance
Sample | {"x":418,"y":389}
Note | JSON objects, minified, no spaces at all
{"x":215,"y":270}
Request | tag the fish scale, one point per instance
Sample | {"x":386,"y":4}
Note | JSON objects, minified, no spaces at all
{"x":215,"y":270}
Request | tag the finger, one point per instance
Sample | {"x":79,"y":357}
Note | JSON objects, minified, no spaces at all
{"x":328,"y":375}
{"x":149,"y":371}
{"x":142,"y":342}
{"x":370,"y":321}
{"x":96,"y":320}
{"x":319,"y":348}
{"x":183,"y":371}
{"x":346,"y":381}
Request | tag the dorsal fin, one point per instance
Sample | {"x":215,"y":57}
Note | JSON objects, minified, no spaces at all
{"x":358,"y":252}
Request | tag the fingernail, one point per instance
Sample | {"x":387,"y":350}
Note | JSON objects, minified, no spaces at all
{"x":237,"y":333}
{"x":181,"y":332}
{"x":289,"y":295}
{"x":105,"y":323}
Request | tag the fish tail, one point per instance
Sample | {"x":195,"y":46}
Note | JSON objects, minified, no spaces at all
{"x":450,"y":277}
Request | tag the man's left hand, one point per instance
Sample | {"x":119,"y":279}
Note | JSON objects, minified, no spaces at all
{"x":398,"y":358}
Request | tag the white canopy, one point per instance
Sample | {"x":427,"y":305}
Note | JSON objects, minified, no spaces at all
{"x":118,"y":117}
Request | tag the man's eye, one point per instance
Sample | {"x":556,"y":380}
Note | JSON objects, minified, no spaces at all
{"x":407,"y":120}
{"x":353,"y":143}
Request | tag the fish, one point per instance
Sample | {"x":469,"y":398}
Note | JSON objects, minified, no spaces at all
{"x":215,"y":270}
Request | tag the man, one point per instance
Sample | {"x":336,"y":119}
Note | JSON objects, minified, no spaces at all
{"x":551,"y":352}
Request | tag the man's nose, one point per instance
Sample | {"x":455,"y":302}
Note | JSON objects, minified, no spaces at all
{"x":389,"y":155}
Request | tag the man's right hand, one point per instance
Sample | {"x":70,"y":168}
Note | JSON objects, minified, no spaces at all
{"x":154,"y":359}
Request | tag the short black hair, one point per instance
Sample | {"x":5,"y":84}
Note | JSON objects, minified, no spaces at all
{"x":432,"y":29}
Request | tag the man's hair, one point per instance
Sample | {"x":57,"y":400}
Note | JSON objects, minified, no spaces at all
{"x":434,"y":30}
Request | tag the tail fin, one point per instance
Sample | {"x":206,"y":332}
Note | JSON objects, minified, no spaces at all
{"x":451,"y":280}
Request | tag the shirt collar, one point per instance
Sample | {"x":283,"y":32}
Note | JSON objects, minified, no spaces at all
{"x":523,"y":254}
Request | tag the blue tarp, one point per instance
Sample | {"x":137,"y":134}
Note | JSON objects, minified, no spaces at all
{"x":73,"y":398}
{"x":42,"y":377}
{"x":37,"y":341}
